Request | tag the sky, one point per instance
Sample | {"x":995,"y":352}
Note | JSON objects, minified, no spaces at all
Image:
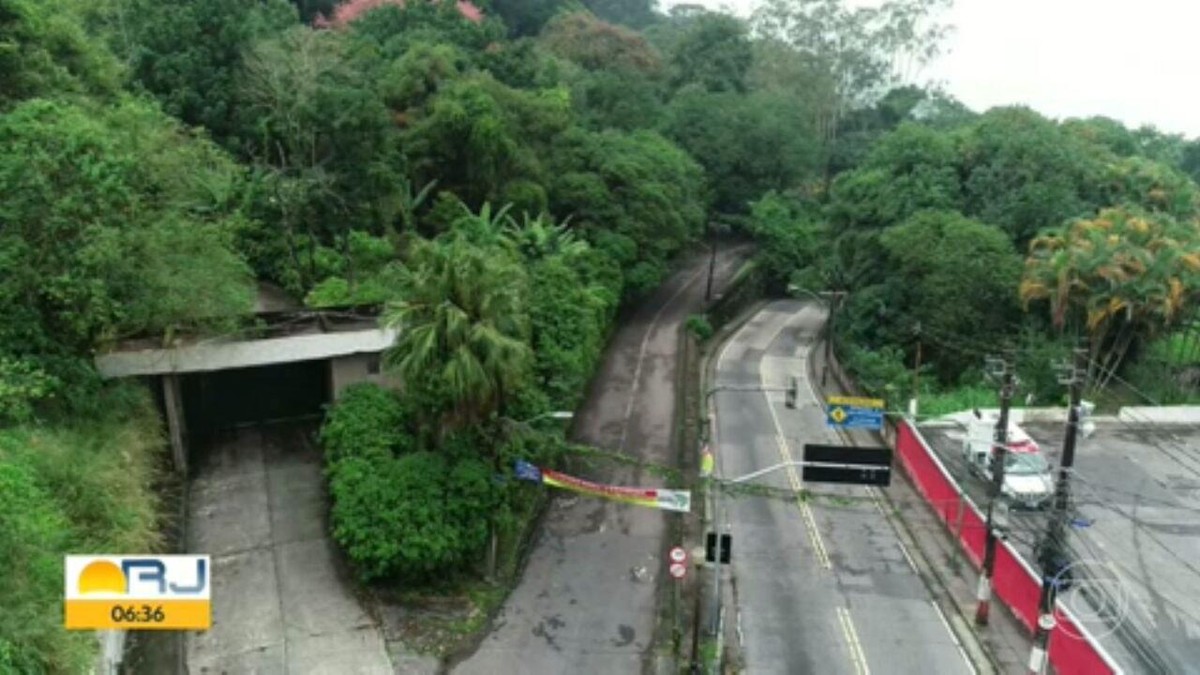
{"x":1133,"y":60}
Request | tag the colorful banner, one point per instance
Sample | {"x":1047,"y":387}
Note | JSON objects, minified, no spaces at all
{"x":668,"y":500}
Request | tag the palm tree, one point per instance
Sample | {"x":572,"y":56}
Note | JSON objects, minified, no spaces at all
{"x":1123,"y":275}
{"x":462,"y":321}
{"x":538,"y":237}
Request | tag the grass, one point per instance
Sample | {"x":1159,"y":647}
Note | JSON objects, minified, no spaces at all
{"x":1175,"y":349}
{"x":708,"y":653}
{"x":87,"y":488}
{"x":935,"y":404}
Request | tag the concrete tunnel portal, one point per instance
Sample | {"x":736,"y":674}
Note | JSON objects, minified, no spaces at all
{"x":208,"y":388}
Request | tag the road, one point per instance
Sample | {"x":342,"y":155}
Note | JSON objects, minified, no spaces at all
{"x":282,"y":603}
{"x":822,"y":586}
{"x":587,"y":601}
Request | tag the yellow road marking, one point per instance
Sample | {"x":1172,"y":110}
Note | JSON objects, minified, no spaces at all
{"x":810,"y":523}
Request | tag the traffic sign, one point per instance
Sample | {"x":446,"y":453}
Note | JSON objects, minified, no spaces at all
{"x":856,"y":402}
{"x":678,"y":554}
{"x":850,"y":412}
{"x":677,"y":570}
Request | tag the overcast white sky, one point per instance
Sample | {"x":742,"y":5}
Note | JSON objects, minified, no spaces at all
{"x":1133,"y":60}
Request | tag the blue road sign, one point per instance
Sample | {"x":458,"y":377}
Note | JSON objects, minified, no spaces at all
{"x":854,"y":417}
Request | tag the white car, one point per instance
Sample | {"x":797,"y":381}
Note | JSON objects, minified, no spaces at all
{"x":1027,"y":479}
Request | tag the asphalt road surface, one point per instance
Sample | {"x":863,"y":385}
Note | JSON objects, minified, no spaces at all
{"x":822,"y":586}
{"x":587,"y":601}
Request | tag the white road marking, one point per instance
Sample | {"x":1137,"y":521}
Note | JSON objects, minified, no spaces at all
{"x":962,"y":652}
{"x":852,"y":643}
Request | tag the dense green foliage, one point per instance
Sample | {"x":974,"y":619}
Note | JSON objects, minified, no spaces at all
{"x":498,"y":180}
{"x":1008,"y":229}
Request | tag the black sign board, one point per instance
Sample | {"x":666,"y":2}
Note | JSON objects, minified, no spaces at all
{"x":847,"y":464}
{"x":847,"y":454}
{"x":853,"y":474}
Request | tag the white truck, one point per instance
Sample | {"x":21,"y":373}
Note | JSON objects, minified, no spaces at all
{"x":1027,"y":480}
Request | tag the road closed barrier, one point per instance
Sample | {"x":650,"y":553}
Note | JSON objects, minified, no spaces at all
{"x":1073,"y":649}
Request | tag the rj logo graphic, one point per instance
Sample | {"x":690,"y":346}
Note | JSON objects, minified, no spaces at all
{"x":137,"y":592}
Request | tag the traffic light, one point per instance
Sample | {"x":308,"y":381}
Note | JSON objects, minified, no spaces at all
{"x":790,"y":397}
{"x":710,"y":547}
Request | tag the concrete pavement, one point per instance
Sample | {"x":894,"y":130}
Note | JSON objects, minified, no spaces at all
{"x":823,"y":586}
{"x":281,"y":604}
{"x":587,"y":600}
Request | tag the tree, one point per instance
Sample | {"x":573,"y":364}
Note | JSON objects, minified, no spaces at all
{"x":526,"y":18}
{"x":852,"y":56}
{"x":1025,"y":174}
{"x":908,"y":170}
{"x":327,"y":148}
{"x":636,"y":197}
{"x":188,"y":53}
{"x":484,"y":141}
{"x":569,"y":309}
{"x":1119,"y":277}
{"x":119,"y":222}
{"x":632,"y":13}
{"x":462,"y":320}
{"x":714,"y":52}
{"x":413,"y":516}
{"x":791,"y":242}
{"x":46,"y":52}
{"x":594,"y":44}
{"x":956,"y":277}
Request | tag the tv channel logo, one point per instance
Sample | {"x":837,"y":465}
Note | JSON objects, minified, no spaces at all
{"x":137,"y":592}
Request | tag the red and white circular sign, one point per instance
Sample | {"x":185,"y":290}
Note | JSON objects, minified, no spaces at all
{"x":678,"y":554}
{"x":678,"y":570}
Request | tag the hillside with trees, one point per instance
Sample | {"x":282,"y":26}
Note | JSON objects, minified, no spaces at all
{"x":501,"y":178}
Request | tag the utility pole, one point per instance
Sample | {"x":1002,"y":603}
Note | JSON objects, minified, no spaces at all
{"x":999,"y":453}
{"x":1052,"y":555}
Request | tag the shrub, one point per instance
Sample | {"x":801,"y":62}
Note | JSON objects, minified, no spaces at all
{"x":698,"y":326}
{"x":409,"y":517}
{"x":367,"y":418}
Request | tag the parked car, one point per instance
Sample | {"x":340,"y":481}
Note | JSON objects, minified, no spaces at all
{"x":1027,"y":480}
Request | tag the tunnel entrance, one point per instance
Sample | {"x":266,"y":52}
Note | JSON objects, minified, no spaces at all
{"x":219,"y":401}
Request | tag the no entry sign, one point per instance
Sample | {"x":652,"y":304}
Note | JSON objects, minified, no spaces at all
{"x":678,"y":566}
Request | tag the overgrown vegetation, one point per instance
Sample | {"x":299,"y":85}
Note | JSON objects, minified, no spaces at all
{"x":499,"y":179}
{"x":418,"y":507}
{"x":77,"y":488}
